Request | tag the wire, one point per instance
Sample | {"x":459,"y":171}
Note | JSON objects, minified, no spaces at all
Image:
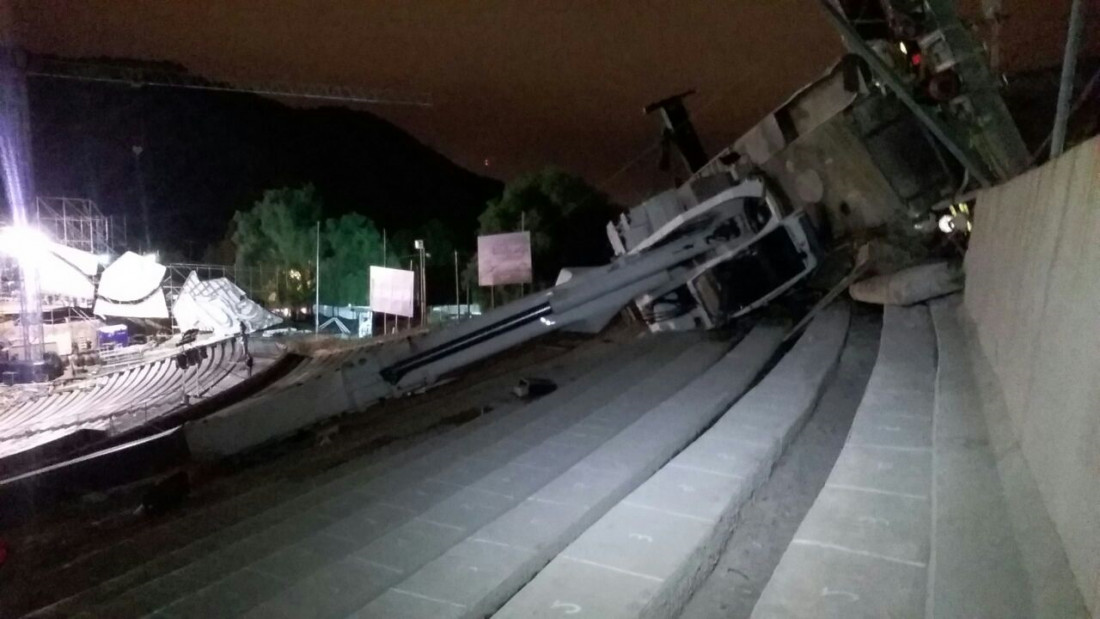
{"x":602,"y":185}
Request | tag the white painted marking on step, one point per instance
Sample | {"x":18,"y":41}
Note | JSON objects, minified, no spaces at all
{"x":365,"y":561}
{"x":612,"y":568}
{"x":499,"y":494}
{"x":568,"y":608}
{"x":548,"y":501}
{"x":903,"y":415}
{"x":699,"y":469}
{"x":641,"y":537}
{"x":669,"y":512}
{"x":426,"y":597}
{"x":893,"y":447}
{"x":396,"y":506}
{"x":826,"y":592}
{"x":482,"y":540}
{"x":862,"y":553}
{"x":441,"y":524}
{"x":904,"y":495}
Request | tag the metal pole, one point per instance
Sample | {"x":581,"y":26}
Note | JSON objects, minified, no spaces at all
{"x":141,"y":196}
{"x":458,"y":299}
{"x":317,"y":285}
{"x":423,"y":289}
{"x":385,"y":263}
{"x":1069,"y":70}
{"x":522,"y":228}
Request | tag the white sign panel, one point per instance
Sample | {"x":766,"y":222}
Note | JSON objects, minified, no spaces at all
{"x":504,"y":259}
{"x":391,"y":291}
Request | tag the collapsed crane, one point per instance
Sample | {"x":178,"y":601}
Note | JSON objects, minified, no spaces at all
{"x":718,"y":258}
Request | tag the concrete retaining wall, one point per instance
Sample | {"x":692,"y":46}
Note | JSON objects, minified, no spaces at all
{"x":1033,"y":291}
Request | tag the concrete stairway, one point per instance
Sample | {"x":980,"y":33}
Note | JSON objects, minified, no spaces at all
{"x":914,"y":520}
{"x":126,"y":396}
{"x":373,"y":527}
{"x":479,"y":573}
{"x":646,"y":555}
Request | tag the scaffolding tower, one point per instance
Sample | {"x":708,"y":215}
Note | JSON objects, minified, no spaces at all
{"x":78,"y":223}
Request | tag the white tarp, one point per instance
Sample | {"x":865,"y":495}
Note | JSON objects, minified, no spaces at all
{"x":392,"y":291}
{"x":218,"y":305}
{"x":65,"y":271}
{"x":504,"y":259}
{"x":85,"y":262}
{"x":152,"y":306}
{"x":131,"y":278}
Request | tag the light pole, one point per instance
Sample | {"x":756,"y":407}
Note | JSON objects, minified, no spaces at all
{"x":141,"y":196}
{"x":1069,"y":70}
{"x":419,"y":245}
{"x":317,"y":285}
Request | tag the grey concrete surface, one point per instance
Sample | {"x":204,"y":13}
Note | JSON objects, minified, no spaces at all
{"x":659,"y":541}
{"x":296,"y":537}
{"x":1032,"y":292}
{"x":766,"y":525}
{"x":985,"y":564}
{"x":455,"y":497}
{"x":863,"y":549}
{"x":478,"y":574}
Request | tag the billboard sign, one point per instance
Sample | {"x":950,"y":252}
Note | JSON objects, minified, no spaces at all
{"x":392,"y":290}
{"x":504,"y":259}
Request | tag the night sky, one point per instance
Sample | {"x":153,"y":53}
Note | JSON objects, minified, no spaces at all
{"x":515,"y":84}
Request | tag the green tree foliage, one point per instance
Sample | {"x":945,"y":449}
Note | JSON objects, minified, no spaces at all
{"x":566,"y":216}
{"x":350,"y":245}
{"x":278,"y":232}
{"x":277,"y":238}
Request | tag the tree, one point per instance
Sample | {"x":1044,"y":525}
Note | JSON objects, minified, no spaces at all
{"x":350,"y":245}
{"x":565,"y":216}
{"x":279,"y":231}
{"x":278,"y":237}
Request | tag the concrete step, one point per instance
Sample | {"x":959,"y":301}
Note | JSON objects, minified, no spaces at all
{"x":645,"y":556}
{"x":863,"y":548}
{"x":234,"y":569}
{"x":919,"y":517}
{"x":478,"y":574}
{"x":293,"y":498}
{"x":490,"y":487}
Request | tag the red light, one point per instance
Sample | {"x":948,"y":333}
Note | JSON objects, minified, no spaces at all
{"x":916,"y":59}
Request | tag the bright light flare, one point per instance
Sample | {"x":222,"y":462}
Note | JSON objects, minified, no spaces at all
{"x":23,"y":243}
{"x":947,"y":224}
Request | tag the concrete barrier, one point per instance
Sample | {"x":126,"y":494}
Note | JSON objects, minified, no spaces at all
{"x":1033,"y":292}
{"x":994,"y":549}
{"x":479,"y":573}
{"x":649,"y":552}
